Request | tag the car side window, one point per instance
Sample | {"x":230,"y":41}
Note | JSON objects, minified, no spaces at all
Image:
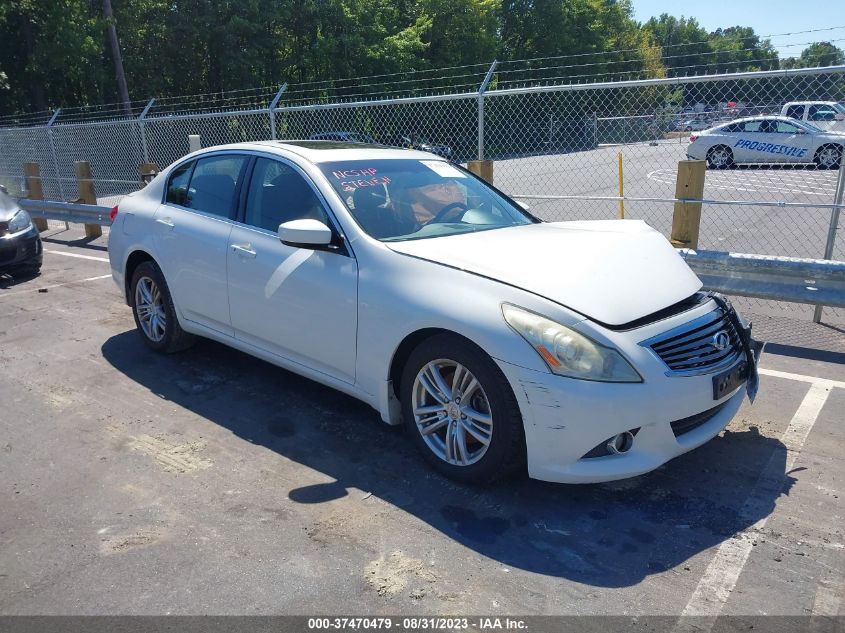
{"x":177,"y":187}
{"x":733,"y":127}
{"x":784,"y":127}
{"x":214,"y":183}
{"x":751,"y":126}
{"x":278,"y":194}
{"x":795,"y":112}
{"x":821,"y":113}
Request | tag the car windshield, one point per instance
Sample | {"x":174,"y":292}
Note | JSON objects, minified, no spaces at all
{"x":839,"y":107}
{"x":406,"y":199}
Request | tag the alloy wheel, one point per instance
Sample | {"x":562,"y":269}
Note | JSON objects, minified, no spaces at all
{"x":149,"y":306}
{"x":452,"y":412}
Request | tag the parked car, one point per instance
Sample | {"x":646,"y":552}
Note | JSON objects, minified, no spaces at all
{"x":826,"y":115}
{"x":344,"y":137}
{"x":420,"y":143}
{"x":586,"y":349}
{"x":766,"y":139}
{"x":692,"y":125}
{"x":20,"y":244}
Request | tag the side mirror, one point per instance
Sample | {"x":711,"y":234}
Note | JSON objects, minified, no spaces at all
{"x":840,"y":116}
{"x":800,"y":130}
{"x":305,"y":233}
{"x":525,"y":207}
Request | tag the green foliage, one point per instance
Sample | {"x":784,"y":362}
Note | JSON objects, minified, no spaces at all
{"x":817,"y":54}
{"x":56,"y":53}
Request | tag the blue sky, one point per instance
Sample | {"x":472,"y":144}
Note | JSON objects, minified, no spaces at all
{"x":765,"y":16}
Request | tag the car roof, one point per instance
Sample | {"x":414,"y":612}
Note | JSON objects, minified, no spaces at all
{"x":315,"y":151}
{"x":769,"y":117}
{"x":789,"y":103}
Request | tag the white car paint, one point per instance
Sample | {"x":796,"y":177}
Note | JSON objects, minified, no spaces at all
{"x":340,"y":318}
{"x":825,"y":115}
{"x":765,"y":139}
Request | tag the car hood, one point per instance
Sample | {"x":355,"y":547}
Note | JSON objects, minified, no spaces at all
{"x":613,"y":271}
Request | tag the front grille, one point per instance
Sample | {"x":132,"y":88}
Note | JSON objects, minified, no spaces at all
{"x":679,"y":427}
{"x":692,"y":348}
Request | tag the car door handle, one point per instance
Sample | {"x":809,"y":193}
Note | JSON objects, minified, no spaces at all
{"x":166,"y":222}
{"x":244,"y":250}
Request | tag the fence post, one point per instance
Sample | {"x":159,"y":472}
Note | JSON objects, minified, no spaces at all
{"x":53,"y":151}
{"x":482,"y":168}
{"x":35,"y":190}
{"x":147,"y":171}
{"x":686,"y":219}
{"x":272,"y":110}
{"x":87,"y":194}
{"x":834,"y":224}
{"x":481,"y":89}
{"x":145,"y":152}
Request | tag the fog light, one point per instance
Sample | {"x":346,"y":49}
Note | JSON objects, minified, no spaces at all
{"x":621,"y":443}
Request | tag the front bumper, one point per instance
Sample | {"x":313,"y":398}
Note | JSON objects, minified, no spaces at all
{"x":567,"y":419}
{"x":21,"y":250}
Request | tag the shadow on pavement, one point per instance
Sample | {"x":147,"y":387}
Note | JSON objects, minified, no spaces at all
{"x":12,"y":278}
{"x":607,"y":535}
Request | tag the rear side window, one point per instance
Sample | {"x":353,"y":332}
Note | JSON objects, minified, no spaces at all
{"x":214,"y":183}
{"x":177,"y":188}
{"x":795,"y":112}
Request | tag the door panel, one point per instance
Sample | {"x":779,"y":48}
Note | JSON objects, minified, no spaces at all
{"x":192,"y":236}
{"x":294,"y":302}
{"x":298,"y":303}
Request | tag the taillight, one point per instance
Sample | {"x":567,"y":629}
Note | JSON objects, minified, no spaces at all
{"x":113,"y":214}
{"x":692,"y":139}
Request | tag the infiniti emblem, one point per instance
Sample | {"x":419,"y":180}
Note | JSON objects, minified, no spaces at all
{"x":720,"y":340}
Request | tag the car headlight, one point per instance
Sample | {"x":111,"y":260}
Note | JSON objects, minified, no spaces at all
{"x":20,"y":222}
{"x":568,"y":353}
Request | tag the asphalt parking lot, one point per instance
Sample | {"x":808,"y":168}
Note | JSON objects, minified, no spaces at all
{"x":211,"y":482}
{"x":650,"y":171}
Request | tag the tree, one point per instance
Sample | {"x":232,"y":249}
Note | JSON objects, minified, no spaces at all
{"x":817,"y":54}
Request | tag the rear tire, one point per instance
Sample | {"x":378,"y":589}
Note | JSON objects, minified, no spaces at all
{"x":828,"y":156}
{"x":473,"y":433}
{"x":154,"y":312}
{"x":720,"y":157}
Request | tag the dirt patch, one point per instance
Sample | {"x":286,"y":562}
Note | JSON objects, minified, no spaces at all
{"x":391,"y":574}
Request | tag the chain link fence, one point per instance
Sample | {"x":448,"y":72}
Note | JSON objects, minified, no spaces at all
{"x":557,"y":146}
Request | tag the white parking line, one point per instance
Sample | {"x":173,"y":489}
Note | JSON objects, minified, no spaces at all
{"x":720,"y":578}
{"x":67,"y":283}
{"x":63,"y":253}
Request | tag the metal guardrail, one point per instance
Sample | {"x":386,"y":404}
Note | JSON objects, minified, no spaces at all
{"x":67,"y":211}
{"x":812,"y":281}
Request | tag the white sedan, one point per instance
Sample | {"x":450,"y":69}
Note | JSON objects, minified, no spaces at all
{"x":766,"y":139}
{"x":582,"y":349}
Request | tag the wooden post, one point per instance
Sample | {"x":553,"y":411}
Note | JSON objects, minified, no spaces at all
{"x":686,"y":220}
{"x":87,"y":195}
{"x":35,"y":190}
{"x":147,"y":171}
{"x":483,"y":168}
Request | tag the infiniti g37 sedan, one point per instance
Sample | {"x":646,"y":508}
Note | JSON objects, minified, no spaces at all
{"x":584,"y":350}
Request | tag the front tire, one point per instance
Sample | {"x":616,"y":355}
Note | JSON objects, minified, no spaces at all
{"x":460,"y":411}
{"x":155,"y":315}
{"x":720,"y":157}
{"x":828,"y":157}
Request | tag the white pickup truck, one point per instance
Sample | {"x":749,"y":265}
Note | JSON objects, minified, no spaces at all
{"x":825,"y":115}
